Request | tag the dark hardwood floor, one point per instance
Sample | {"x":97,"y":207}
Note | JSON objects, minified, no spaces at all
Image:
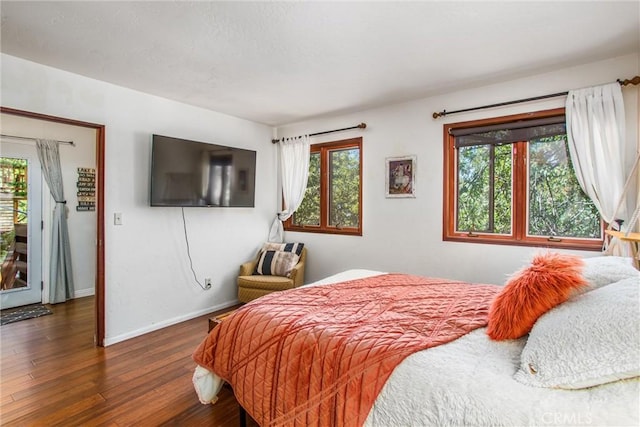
{"x":52,"y":374}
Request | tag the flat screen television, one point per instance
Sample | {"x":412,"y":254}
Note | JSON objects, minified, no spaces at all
{"x":191,"y":173}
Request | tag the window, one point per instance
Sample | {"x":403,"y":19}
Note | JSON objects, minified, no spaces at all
{"x":509,"y":180}
{"x":333,"y":200}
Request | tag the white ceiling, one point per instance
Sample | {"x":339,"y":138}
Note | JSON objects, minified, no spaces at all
{"x":283,"y":62}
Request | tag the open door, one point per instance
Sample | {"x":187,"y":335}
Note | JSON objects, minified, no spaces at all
{"x":20,"y":226}
{"x":19,"y":122}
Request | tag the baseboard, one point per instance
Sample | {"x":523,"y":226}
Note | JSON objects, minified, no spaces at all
{"x":169,"y":322}
{"x":84,"y":293}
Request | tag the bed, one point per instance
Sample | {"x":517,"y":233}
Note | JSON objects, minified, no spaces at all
{"x":467,"y":380}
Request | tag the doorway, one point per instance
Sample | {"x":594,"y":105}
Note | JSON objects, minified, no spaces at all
{"x":20,"y":226}
{"x":44,"y":126}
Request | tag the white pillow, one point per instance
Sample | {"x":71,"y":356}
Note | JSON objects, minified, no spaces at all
{"x":603,"y":270}
{"x":589,"y":340}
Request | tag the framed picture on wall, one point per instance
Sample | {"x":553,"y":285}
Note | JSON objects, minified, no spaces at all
{"x":400,"y":178}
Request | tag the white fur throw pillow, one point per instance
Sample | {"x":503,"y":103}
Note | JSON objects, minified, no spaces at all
{"x":603,"y":270}
{"x":589,"y":340}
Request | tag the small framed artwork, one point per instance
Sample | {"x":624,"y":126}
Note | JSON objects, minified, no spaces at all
{"x":400,"y":178}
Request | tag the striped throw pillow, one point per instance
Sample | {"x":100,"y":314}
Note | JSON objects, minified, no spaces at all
{"x":276,"y":263}
{"x":284,"y":247}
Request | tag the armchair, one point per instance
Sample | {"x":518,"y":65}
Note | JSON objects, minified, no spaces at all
{"x":252,"y":286}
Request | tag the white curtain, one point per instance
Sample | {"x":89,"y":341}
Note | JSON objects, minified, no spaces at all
{"x":294,"y":168}
{"x":60,"y":272}
{"x":601,"y":156}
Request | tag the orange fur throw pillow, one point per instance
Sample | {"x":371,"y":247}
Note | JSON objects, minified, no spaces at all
{"x":531,"y":292}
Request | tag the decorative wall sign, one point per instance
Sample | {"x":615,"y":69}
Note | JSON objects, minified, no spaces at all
{"x":400,"y":180}
{"x":86,"y":190}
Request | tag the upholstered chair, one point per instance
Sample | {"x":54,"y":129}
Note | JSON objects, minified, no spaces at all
{"x":252,"y":286}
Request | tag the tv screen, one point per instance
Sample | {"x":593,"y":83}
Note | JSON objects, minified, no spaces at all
{"x":191,"y":173}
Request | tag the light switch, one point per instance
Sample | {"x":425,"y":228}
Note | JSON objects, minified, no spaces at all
{"x":117,"y":218}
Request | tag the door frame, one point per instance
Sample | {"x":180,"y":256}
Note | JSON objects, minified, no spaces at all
{"x":100,"y":160}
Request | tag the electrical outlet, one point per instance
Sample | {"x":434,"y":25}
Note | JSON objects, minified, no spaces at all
{"x":207,"y":283}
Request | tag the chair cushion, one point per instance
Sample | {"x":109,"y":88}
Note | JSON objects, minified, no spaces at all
{"x":276,"y":263}
{"x":271,"y":283}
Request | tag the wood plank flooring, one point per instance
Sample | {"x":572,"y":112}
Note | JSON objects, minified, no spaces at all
{"x":52,"y":374}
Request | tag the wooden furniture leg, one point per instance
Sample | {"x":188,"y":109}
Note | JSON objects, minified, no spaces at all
{"x":633,"y":239}
{"x":243,"y":416}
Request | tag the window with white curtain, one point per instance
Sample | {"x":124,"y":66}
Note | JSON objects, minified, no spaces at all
{"x":509,"y":180}
{"x":332,"y":201}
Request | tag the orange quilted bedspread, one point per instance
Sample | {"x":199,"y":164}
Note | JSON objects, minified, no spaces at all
{"x":319,"y":356}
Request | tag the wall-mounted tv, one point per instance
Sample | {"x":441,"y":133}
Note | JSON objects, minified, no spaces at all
{"x":191,"y":173}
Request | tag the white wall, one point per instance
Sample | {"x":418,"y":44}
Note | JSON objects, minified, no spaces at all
{"x":405,"y":235}
{"x":82,"y":225}
{"x":149,"y":284}
{"x":148,"y":280}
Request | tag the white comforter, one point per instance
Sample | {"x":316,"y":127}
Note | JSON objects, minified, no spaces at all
{"x":470,"y":382}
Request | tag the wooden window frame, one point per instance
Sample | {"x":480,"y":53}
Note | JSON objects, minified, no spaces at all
{"x":324,"y":149}
{"x":518,"y":234}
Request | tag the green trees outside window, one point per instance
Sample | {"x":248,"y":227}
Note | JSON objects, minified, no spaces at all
{"x":332,"y":201}
{"x":510,"y":180}
{"x":308,"y":212}
{"x":344,"y":188}
{"x":13,"y":199}
{"x":557,"y":205}
{"x":485,"y":189}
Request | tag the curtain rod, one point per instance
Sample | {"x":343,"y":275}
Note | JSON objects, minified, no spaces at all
{"x":633,"y":81}
{"x":360,"y":126}
{"x":34,"y":139}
